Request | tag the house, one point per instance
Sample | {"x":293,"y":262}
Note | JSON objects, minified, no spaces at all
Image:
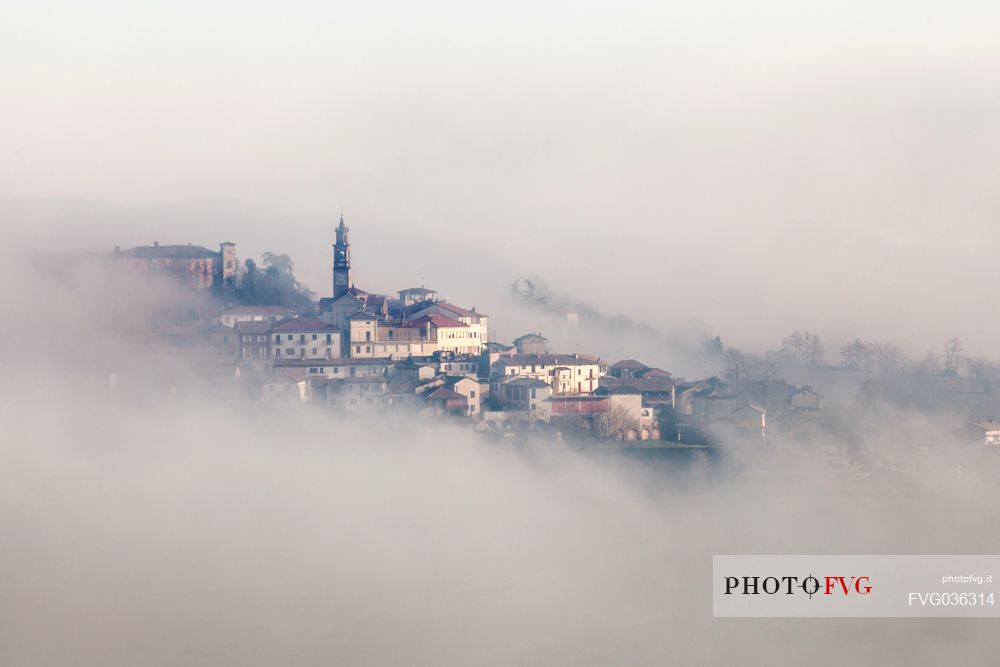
{"x":565,"y":373}
{"x":281,"y":387}
{"x":471,"y":340}
{"x":451,"y":335}
{"x":410,"y":371}
{"x":271,"y":314}
{"x":749,"y":422}
{"x":627,"y":368}
{"x":305,"y":338}
{"x":362,"y":393}
{"x":525,"y":394}
{"x":255,"y":341}
{"x":805,"y":399}
{"x":414,"y":295}
{"x":655,"y":389}
{"x":467,"y":387}
{"x":802,"y":421}
{"x":466,"y":364}
{"x":371,"y":336}
{"x":531,"y":344}
{"x":444,"y":401}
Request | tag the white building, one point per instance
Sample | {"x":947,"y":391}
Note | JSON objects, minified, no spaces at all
{"x":470,"y":341}
{"x":565,"y":373}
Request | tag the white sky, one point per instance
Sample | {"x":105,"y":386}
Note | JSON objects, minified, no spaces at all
{"x":755,"y":166}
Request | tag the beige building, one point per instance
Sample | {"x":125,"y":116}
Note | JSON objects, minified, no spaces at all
{"x":526,"y":394}
{"x":370,"y":337}
{"x":305,"y":338}
{"x":467,"y":387}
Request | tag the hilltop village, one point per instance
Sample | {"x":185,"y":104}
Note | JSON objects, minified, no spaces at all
{"x":358,"y":351}
{"x":255,"y":330}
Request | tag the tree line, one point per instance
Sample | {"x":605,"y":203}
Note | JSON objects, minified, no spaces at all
{"x":271,"y":283}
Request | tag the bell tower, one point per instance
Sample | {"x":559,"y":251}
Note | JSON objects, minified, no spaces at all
{"x":341,"y":260}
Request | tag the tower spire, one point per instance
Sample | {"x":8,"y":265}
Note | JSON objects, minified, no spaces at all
{"x":341,"y":259}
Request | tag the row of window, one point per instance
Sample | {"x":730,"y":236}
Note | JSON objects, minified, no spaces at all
{"x":302,"y":338}
{"x":290,"y":352}
{"x":321,"y":370}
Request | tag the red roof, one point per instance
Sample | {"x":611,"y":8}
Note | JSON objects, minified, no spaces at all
{"x":461,"y":312}
{"x":444,"y":394}
{"x":438,"y":321}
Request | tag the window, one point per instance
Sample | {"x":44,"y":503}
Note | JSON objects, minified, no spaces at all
{"x":368,"y":348}
{"x":277,"y":352}
{"x":277,"y":339}
{"x":472,"y":394}
{"x":532,"y":393}
{"x":315,"y":337}
{"x":390,"y":333}
{"x":357,"y":348}
{"x":315,"y":351}
{"x":302,"y":339}
{"x":329,"y":339}
{"x":368,"y":335}
{"x":290,"y":351}
{"x":289,"y":337}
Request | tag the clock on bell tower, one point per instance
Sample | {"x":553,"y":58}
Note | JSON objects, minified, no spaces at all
{"x":341,"y":260}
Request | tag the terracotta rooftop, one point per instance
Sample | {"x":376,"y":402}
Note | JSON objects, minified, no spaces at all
{"x":438,"y":321}
{"x":442,"y":394}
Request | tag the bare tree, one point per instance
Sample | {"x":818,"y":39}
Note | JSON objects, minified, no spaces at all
{"x":814,"y":350}
{"x":888,"y":359}
{"x":929,"y":365}
{"x":856,"y":354}
{"x":616,"y":421}
{"x":954,"y":355}
{"x":801,"y":347}
{"x":793,"y":347}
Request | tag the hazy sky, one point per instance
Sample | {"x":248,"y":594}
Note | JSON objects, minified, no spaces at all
{"x":754,"y":166}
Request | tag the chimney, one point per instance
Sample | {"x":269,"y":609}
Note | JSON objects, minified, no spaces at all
{"x":156,"y":244}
